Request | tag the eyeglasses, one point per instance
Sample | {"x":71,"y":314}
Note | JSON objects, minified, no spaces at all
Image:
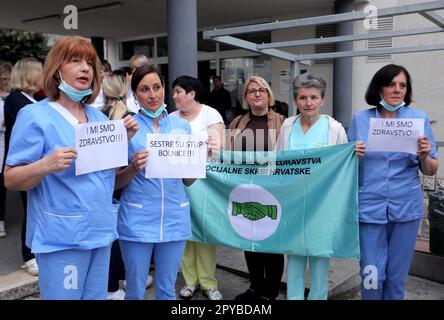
{"x":253,"y":92}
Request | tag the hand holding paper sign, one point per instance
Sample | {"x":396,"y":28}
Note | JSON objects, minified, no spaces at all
{"x":429,"y":166}
{"x":213,"y":147}
{"x":424,"y":148}
{"x":139,"y":160}
{"x":131,"y":126}
{"x":60,"y":159}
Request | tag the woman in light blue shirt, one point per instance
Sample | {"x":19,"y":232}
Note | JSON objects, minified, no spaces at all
{"x":310,"y":129}
{"x":71,"y":222}
{"x":154,"y":215}
{"x":390,"y":191}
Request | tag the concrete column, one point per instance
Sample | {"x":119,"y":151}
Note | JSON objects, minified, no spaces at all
{"x":182,"y":40}
{"x":343,"y":69}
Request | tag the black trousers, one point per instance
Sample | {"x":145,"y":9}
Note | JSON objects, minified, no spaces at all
{"x":116,"y":268}
{"x":266,"y":271}
{"x":26,"y":252}
{"x":2,"y":199}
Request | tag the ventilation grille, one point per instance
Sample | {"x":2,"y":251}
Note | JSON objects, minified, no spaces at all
{"x":324,"y":31}
{"x":384,"y":24}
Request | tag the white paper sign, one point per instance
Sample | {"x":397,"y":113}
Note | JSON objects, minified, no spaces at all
{"x":101,"y":145}
{"x":394,"y":135}
{"x":176,"y":156}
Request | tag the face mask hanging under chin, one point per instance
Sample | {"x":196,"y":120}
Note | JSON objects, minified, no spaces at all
{"x":389,"y":107}
{"x":155,"y":114}
{"x":73,"y":93}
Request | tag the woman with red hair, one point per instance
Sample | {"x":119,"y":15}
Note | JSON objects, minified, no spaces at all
{"x":71,"y":222}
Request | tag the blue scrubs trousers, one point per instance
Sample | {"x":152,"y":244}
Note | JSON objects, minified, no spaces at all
{"x":74,"y":274}
{"x":296,"y":277}
{"x":137,"y":257}
{"x":386,"y":255}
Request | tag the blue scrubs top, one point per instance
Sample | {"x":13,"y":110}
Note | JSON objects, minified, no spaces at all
{"x":154,"y":210}
{"x":390,"y":189}
{"x":65,"y":211}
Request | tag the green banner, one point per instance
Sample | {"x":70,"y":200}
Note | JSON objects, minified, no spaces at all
{"x":301,"y":202}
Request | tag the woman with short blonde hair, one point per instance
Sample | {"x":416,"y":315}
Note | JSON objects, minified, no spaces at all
{"x":25,"y":74}
{"x":262,"y":82}
{"x":262,"y":125}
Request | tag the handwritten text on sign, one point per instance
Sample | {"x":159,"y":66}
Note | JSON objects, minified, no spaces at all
{"x":101,"y":145}
{"x":176,"y":156}
{"x":394,"y":135}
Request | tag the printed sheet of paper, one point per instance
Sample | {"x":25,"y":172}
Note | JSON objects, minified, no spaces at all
{"x":176,"y":156}
{"x":101,"y":145}
{"x":394,"y":135}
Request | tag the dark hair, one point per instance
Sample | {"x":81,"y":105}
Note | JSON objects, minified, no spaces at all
{"x":127,"y":70}
{"x":106,"y":66}
{"x":382,"y":78}
{"x":190,"y":84}
{"x":217,"y":77}
{"x":141,"y":72}
{"x":120,"y":72}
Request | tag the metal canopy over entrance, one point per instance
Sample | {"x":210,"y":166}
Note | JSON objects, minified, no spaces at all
{"x":426,"y":10}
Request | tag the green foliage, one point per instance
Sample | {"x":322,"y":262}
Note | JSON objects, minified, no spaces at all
{"x":16,"y":45}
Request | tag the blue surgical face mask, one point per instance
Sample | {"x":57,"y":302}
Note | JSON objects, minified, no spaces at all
{"x":389,"y":107}
{"x":73,"y":93}
{"x":155,"y":114}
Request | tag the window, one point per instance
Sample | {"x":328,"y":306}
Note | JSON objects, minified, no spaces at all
{"x":129,"y":48}
{"x":162,"y":47}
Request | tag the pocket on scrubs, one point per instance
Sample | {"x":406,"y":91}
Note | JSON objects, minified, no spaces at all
{"x":61,"y":227}
{"x":132,"y":214}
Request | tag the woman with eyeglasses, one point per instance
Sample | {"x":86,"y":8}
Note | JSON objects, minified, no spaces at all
{"x":263,"y":125}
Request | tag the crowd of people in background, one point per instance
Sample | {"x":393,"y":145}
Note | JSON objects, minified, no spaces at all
{"x":104,"y":223}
